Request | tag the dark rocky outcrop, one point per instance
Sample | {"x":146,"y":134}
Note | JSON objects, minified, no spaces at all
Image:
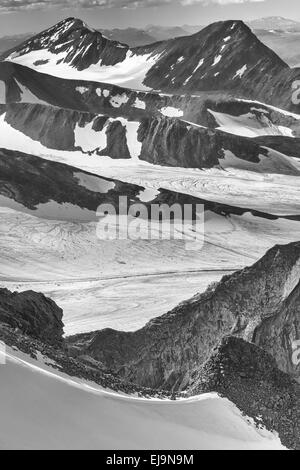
{"x":33,"y":314}
{"x":287,"y":145}
{"x":249,"y":377}
{"x":31,"y":181}
{"x":164,"y":141}
{"x":172,"y":142}
{"x":279,"y":334}
{"x":245,"y":304}
{"x":83,"y":368}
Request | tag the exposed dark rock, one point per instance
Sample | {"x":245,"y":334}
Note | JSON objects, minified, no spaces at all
{"x":249,"y":377}
{"x":169,"y":348}
{"x":30,"y":181}
{"x":70,"y":35}
{"x":165,"y":141}
{"x":278,"y":334}
{"x":33,"y":314}
{"x":116,"y":141}
{"x":173,"y":142}
{"x":80,"y":367}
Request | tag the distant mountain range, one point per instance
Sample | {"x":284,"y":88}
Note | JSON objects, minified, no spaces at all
{"x":275,"y":22}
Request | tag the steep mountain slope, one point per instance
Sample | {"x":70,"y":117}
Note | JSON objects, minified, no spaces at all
{"x":32,"y":182}
{"x":157,"y":140}
{"x":212,"y":59}
{"x":168,"y":349}
{"x":32,"y":313}
{"x":21,"y":84}
{"x":248,"y":376}
{"x":80,"y":45}
{"x":72,"y":46}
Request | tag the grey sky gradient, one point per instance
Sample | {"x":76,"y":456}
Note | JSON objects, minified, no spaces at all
{"x":18,"y":16}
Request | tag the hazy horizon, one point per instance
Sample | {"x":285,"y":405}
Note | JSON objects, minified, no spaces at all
{"x":17,"y":17}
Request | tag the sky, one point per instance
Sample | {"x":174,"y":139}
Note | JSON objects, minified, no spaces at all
{"x":18,"y":16}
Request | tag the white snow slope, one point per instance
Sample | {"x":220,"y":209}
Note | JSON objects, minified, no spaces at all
{"x":250,"y":125}
{"x":130,"y":73}
{"x":42,"y":409}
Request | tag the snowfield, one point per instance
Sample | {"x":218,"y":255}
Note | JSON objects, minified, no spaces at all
{"x":170,"y":111}
{"x":249,"y":125}
{"x":41,"y":408}
{"x":130,"y":73}
{"x":102,"y":284}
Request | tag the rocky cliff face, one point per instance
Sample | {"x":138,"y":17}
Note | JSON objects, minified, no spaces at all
{"x":249,"y":377}
{"x":156,"y":139}
{"x":214,"y":58}
{"x":280,"y":334}
{"x":32,"y":314}
{"x":168,"y":349}
{"x":173,"y":142}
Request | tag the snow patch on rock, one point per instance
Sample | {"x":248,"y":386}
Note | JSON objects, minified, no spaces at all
{"x":94,"y":183}
{"x":249,"y":125}
{"x":82,"y":89}
{"x":139,"y":104}
{"x":239,"y":73}
{"x":148,"y":194}
{"x":118,"y":100}
{"x":88,"y":139}
{"x":170,"y":111}
{"x":217,"y":60}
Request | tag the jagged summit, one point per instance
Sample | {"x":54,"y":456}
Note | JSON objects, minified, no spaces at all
{"x":72,"y":42}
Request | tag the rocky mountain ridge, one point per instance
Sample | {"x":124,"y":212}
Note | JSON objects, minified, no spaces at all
{"x":212,"y":59}
{"x":250,"y":378}
{"x":242,"y":371}
{"x":155,"y":138}
{"x":32,"y":313}
{"x":168,"y":349}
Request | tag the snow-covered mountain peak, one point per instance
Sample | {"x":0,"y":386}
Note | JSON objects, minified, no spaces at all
{"x":71,"y":42}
